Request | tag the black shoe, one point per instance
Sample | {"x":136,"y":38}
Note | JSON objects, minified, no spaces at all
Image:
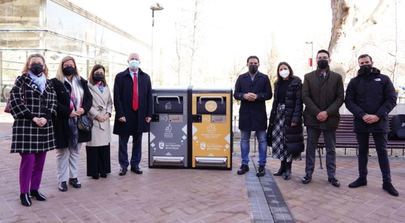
{"x":95,"y":177}
{"x":359,"y":182}
{"x":280,"y":170}
{"x":261,"y":171}
{"x":75,"y":183}
{"x":387,"y":186}
{"x":103,"y":175}
{"x":25,"y":199}
{"x":63,"y":186}
{"x":136,"y":170}
{"x":306,"y":179}
{"x":243,"y":169}
{"x":122,"y":172}
{"x":334,"y":182}
{"x":37,"y":195}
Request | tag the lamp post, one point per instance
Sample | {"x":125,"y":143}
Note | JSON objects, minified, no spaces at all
{"x":311,"y":60}
{"x":155,"y":7}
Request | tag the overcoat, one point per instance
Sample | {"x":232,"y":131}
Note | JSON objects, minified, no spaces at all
{"x":28,"y":102}
{"x":102,"y":104}
{"x":123,"y":87}
{"x":292,"y":113}
{"x":252,"y":114}
{"x":322,"y":94}
{"x":62,"y":131}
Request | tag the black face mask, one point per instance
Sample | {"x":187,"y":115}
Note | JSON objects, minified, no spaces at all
{"x":365,"y":69}
{"x":68,"y":71}
{"x":323,"y":64}
{"x":37,"y":68}
{"x":98,"y":77}
{"x":253,"y":69}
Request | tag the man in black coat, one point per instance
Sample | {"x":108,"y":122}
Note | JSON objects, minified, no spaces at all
{"x":133,"y":107}
{"x":253,"y":89}
{"x":370,"y":96}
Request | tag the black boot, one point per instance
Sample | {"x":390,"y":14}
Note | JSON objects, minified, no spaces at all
{"x":38,"y":195}
{"x":25,"y":199}
{"x":281,"y":170}
{"x":287,"y":173}
{"x":243,"y":169}
{"x":261,"y":171}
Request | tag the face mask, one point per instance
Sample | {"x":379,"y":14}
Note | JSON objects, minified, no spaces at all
{"x":323,"y":64}
{"x":68,"y":71}
{"x":284,"y":73}
{"x":36,"y":68}
{"x":98,"y":77}
{"x":365,"y":69}
{"x":133,"y":64}
{"x":253,"y":69}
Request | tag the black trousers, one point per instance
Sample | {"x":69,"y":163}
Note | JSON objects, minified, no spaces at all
{"x":98,"y":160}
{"x":380,"y":140}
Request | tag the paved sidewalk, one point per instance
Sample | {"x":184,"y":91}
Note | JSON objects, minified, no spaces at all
{"x":187,"y":195}
{"x":319,"y":201}
{"x":159,"y":195}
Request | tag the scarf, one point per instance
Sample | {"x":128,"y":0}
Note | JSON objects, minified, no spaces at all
{"x":76,"y":94}
{"x":40,"y":81}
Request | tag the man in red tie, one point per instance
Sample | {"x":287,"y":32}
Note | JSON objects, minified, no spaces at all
{"x":133,"y":112}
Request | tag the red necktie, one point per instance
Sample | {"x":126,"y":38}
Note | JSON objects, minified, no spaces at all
{"x":135,"y":101}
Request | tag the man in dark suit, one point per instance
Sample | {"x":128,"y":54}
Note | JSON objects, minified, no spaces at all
{"x":322,"y":94}
{"x":133,"y":107}
{"x":253,"y":89}
{"x":370,"y":96}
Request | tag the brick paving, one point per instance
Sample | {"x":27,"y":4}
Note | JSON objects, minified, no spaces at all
{"x":159,"y":195}
{"x":319,"y":201}
{"x":187,"y":195}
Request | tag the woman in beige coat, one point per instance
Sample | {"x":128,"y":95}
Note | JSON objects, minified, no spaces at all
{"x":98,"y":149}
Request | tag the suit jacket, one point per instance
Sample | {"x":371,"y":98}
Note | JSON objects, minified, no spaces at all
{"x":28,"y":102}
{"x":135,"y":121}
{"x":102,"y":104}
{"x":252,"y":114}
{"x":322,"y":94}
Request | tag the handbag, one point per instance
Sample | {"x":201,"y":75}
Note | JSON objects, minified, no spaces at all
{"x":7,"y":109}
{"x":84,"y":123}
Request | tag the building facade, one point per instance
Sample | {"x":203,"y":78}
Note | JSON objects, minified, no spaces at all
{"x":57,"y":28}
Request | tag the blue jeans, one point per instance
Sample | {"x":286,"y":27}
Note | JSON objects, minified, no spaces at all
{"x":245,"y":146}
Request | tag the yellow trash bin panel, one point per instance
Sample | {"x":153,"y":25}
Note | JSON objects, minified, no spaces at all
{"x":212,"y":142}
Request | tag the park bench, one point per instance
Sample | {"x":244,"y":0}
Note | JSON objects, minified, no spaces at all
{"x":346,"y":138}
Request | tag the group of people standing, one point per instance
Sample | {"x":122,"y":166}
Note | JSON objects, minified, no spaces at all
{"x":48,"y":114}
{"x":370,"y":96}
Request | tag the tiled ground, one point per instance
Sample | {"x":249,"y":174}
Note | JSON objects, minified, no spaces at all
{"x":159,"y":195}
{"x":321,"y":202}
{"x":176,"y":195}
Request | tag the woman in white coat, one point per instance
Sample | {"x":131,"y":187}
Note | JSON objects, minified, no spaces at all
{"x":98,"y":149}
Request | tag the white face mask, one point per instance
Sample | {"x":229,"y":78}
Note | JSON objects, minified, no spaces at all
{"x":134,"y":64}
{"x":284,"y":73}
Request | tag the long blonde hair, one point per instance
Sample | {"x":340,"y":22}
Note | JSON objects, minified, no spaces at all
{"x":27,"y":64}
{"x":59,"y":72}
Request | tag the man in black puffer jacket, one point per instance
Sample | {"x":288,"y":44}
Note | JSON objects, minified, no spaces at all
{"x":370,"y":97}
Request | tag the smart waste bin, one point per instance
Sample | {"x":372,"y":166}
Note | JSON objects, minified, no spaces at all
{"x":170,"y":128}
{"x":212,"y":142}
